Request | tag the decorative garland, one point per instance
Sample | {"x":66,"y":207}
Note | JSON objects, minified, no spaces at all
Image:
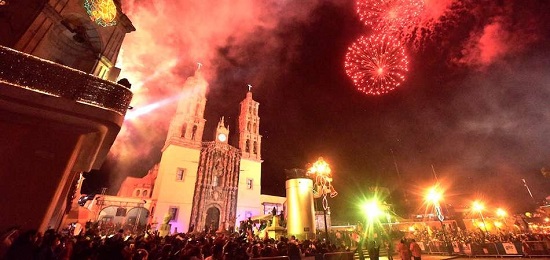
{"x":103,"y":12}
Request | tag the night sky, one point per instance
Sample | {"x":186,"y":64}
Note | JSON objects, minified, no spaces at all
{"x":473,"y":107}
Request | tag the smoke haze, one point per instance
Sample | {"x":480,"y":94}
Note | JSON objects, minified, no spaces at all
{"x":473,"y":105}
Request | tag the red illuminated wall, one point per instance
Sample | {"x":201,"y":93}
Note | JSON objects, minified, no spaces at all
{"x":35,"y":159}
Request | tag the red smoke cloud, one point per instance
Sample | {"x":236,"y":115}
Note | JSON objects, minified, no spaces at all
{"x":170,"y":38}
{"x":434,"y":9}
{"x":508,"y":31}
{"x":496,"y":41}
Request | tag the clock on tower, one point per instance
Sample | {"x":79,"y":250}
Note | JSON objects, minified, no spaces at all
{"x":222,"y":137}
{"x":222,"y":133}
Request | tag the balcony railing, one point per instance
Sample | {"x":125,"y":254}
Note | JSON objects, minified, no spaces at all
{"x":26,"y":71}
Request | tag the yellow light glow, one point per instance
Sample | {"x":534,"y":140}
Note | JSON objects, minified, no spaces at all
{"x":478,"y":206}
{"x":501,"y":213}
{"x":411,"y":229}
{"x":498,"y":224}
{"x":434,"y":195}
{"x":547,"y":219}
{"x":320,"y":167}
{"x":372,"y":209}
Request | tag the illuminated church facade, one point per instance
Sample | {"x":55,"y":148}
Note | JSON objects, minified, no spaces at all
{"x":198,"y":184}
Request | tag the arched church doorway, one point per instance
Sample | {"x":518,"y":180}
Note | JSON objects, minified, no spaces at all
{"x":137,"y":219}
{"x":111,"y":218}
{"x":212,"y":221}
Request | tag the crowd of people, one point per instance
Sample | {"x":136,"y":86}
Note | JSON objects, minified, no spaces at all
{"x":95,"y":242}
{"x":479,"y":236}
{"x":194,"y":246}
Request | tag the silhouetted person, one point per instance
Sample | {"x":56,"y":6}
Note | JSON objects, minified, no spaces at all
{"x":374,"y":250}
{"x":194,"y":132}
{"x":24,"y":247}
{"x":403,"y":249}
{"x":415,"y":250}
{"x":125,"y":82}
{"x":389,"y":249}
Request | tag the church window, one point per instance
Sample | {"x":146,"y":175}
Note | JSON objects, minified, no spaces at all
{"x":144,"y":193}
{"x":255,"y":147}
{"x":215,"y":180}
{"x":194,"y":132}
{"x":120,"y":212}
{"x":249,"y":183}
{"x":254,"y":130}
{"x":248,"y":126}
{"x":247,"y":146}
{"x":138,"y":192}
{"x":183,"y":130}
{"x":268,"y":208}
{"x":173,"y":211}
{"x":180,"y":174}
{"x":102,"y":71}
{"x":197,"y":110}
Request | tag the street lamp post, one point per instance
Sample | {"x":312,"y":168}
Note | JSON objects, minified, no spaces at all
{"x":322,"y":186}
{"x":501,"y":213}
{"x":138,"y":219}
{"x":478,"y":206}
{"x":434,"y":195}
{"x":373,"y":209}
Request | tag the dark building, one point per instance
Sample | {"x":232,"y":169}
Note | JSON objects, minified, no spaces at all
{"x":60,"y":108}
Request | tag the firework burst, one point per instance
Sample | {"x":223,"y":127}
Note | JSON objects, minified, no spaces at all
{"x":376,"y":64}
{"x":390,"y":15}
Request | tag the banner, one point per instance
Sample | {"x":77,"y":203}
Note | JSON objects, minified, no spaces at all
{"x":456,"y":248}
{"x":422,"y":247}
{"x":510,"y":248}
{"x":467,"y":249}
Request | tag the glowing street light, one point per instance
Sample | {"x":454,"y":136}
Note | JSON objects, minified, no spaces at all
{"x":498,"y":224}
{"x":501,"y":213}
{"x":434,"y":195}
{"x":479,"y":207}
{"x":372,"y":209}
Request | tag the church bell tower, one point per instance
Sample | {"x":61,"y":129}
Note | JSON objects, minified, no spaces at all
{"x":177,"y":174}
{"x":250,"y":143}
{"x":187,"y":126}
{"x":250,"y":140}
